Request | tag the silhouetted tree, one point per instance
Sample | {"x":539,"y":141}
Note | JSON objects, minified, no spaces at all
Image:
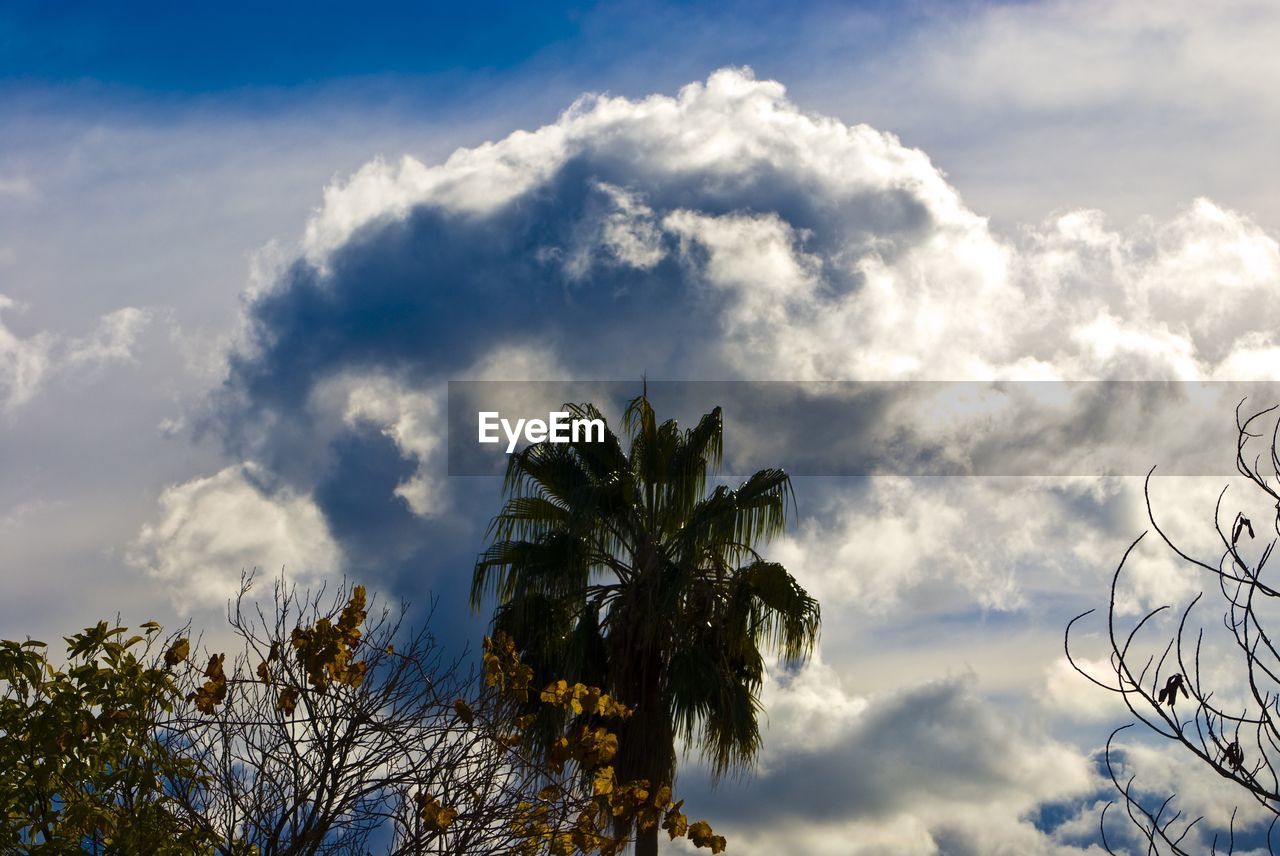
{"x":335,"y":730}
{"x":1160,"y":667}
{"x":621,"y":569}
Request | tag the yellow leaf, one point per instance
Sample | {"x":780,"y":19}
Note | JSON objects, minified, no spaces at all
{"x":464,"y":711}
{"x":602,"y":781}
{"x":700,"y":835}
{"x":177,"y":652}
{"x":214,"y":690}
{"x":675,"y":822}
{"x":287,"y":701}
{"x":434,"y":816}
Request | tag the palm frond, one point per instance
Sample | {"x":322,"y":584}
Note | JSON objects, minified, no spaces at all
{"x":527,"y":517}
{"x":557,"y":565}
{"x":789,"y":619}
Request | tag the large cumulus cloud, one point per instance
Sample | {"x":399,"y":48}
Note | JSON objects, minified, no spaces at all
{"x":801,"y":247}
{"x":720,"y":233}
{"x":726,"y":233}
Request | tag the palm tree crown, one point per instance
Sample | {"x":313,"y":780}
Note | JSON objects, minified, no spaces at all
{"x":621,"y":570}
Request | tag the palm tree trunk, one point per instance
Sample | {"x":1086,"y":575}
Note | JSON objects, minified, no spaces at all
{"x":647,"y":744}
{"x":647,"y":842}
{"x":647,"y":741}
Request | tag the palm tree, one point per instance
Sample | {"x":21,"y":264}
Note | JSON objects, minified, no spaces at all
{"x":620,"y":570}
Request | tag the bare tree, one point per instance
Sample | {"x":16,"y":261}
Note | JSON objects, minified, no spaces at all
{"x":335,"y":731}
{"x":1163,"y":661}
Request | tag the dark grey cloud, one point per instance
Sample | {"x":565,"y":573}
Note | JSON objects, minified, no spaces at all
{"x":942,"y":758}
{"x":577,"y":264}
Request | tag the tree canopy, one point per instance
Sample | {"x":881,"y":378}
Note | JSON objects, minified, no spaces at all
{"x":332,"y":729}
{"x":628,"y":570}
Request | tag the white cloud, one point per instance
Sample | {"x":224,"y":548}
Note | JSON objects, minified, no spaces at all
{"x":808,"y":711}
{"x":730,"y":128}
{"x":1176,"y":299}
{"x":27,"y":363}
{"x":623,"y":233}
{"x":1067,"y":692}
{"x":19,"y":186}
{"x":871,"y":550}
{"x":1036,"y":106}
{"x":414,"y":416}
{"x":755,"y":258}
{"x":471,"y":181}
{"x":209,"y":530}
{"x":931,"y":543}
{"x":114,"y":338}
{"x":1187,"y":299}
{"x":23,"y":362}
{"x":1059,"y":56}
{"x":20,"y":513}
{"x":409,"y":417}
{"x":628,"y":232}
{"x":1166,"y":769}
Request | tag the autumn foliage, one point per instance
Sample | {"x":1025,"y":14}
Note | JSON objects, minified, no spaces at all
{"x":588,"y":748}
{"x":138,"y":745}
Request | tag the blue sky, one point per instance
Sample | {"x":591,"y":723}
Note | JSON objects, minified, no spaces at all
{"x":158,"y":49}
{"x":242,"y":253}
{"x":162,"y":48}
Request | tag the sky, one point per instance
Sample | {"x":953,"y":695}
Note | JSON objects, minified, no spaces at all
{"x":243,"y":253}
